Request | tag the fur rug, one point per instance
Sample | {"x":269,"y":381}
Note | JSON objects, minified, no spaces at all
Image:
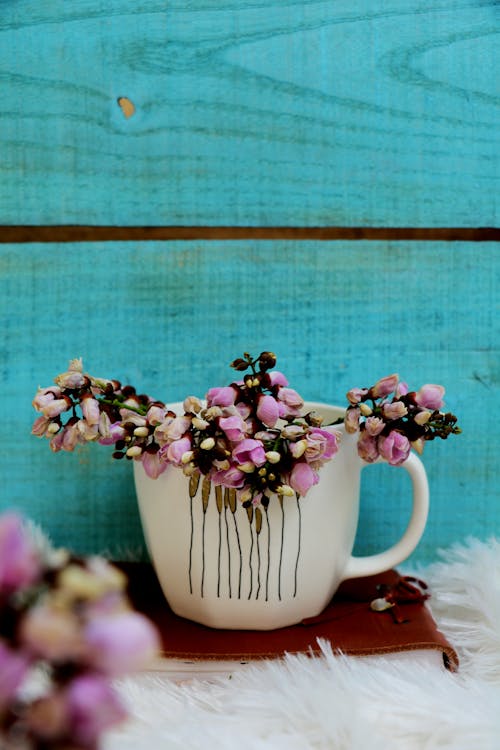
{"x":342,"y":703}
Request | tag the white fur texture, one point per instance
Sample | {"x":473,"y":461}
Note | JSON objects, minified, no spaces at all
{"x":342,"y":703}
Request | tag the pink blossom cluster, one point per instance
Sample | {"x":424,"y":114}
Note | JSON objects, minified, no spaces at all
{"x":391,"y":419}
{"x":250,"y":435}
{"x":69,"y":620}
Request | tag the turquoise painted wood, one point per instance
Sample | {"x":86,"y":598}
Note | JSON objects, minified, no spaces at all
{"x":353,"y":112}
{"x":169,"y":317}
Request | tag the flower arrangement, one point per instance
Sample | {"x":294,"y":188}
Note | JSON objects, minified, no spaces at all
{"x":66,"y":629}
{"x":251,"y":435}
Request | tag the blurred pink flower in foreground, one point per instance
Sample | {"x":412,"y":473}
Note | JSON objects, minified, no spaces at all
{"x":19,"y":561}
{"x":70,"y":617}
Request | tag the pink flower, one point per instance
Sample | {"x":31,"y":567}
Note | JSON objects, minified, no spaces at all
{"x":430,"y":396}
{"x":172,"y":429}
{"x":351,"y":420}
{"x":92,"y":706}
{"x":174,"y":452}
{"x":156,"y":414}
{"x":401,"y":390}
{"x":367,"y":447}
{"x":355,"y":395}
{"x":374,"y":426}
{"x":384,"y":386}
{"x":19,"y":562}
{"x":40,"y":426}
{"x":90,"y":410}
{"x":231,"y":477}
{"x":74,"y":377}
{"x":291,"y":402}
{"x":56,"y":442}
{"x":394,"y":448}
{"x":395,"y":410}
{"x":249,"y":451}
{"x":277,"y":378}
{"x":234,"y":427}
{"x":71,"y":437}
{"x":293,"y":431}
{"x":321,"y":445}
{"x":56,"y":407}
{"x":153,"y":465}
{"x":52,"y":633}
{"x":225,"y":396}
{"x":87,"y":431}
{"x":302,"y":478}
{"x":192,"y":404}
{"x":44,"y":397}
{"x":115,"y":433}
{"x":46,"y":718}
{"x":13,"y":669}
{"x":268,"y":410}
{"x":128,"y":415}
{"x":243,"y":410}
{"x":126,"y":641}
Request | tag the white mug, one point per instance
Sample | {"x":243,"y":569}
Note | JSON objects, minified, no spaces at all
{"x":223,"y":567}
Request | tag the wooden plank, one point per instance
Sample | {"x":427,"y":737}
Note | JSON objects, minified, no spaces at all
{"x":352,"y":113}
{"x":169,"y":317}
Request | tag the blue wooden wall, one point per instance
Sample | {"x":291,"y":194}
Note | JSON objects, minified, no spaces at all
{"x":362,"y":113}
{"x":340,"y":112}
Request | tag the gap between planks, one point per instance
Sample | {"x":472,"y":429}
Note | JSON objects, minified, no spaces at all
{"x":77,"y":233}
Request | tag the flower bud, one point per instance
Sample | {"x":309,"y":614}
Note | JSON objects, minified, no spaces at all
{"x":430,"y":396}
{"x":267,"y":360}
{"x":141,"y":432}
{"x":199,"y":424}
{"x":239,"y":364}
{"x":133,"y":451}
{"x":394,"y":410}
{"x":422,"y":417}
{"x":298,"y":449}
{"x":418,"y":445}
{"x":365,"y":410}
{"x":187,"y":457}
{"x":273,"y":457}
{"x":355,"y":395}
{"x":192,"y":404}
{"x":384,"y":386}
{"x":351,"y":420}
{"x":207,"y":444}
{"x":285,"y":490}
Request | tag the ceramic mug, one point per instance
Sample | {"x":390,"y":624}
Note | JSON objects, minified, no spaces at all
{"x":224,"y":566}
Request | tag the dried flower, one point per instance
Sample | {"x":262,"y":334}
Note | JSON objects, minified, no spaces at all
{"x":250,"y":435}
{"x":71,"y":618}
{"x":390,"y":426}
{"x":19,"y":561}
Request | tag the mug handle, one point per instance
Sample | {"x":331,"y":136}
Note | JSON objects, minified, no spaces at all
{"x":372,"y":564}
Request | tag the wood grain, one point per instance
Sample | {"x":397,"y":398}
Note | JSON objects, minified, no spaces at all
{"x":169,"y":317}
{"x":348,"y":113}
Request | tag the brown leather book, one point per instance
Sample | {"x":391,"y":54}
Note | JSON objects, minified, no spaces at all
{"x":349,"y":624}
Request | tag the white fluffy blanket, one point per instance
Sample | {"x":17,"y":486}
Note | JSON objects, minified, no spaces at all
{"x":342,"y":703}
